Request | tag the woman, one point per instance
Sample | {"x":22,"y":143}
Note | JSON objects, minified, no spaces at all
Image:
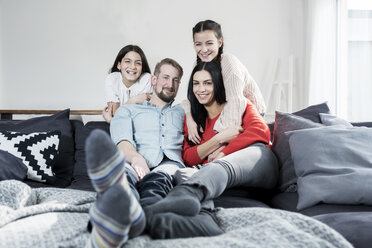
{"x":129,"y":80}
{"x":207,"y":97}
{"x":245,"y":159}
{"x":239,"y":84}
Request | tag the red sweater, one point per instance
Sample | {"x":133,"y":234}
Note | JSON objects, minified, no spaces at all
{"x":255,"y":130}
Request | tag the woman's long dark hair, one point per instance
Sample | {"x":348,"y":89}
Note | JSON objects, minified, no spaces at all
{"x":127,"y":49}
{"x":198,"y":111}
{"x":209,"y":25}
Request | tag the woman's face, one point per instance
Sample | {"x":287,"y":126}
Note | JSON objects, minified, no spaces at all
{"x":131,"y":66}
{"x":206,"y":45}
{"x":203,"y":87}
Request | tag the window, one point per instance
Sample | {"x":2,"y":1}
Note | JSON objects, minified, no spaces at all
{"x":354,"y":70}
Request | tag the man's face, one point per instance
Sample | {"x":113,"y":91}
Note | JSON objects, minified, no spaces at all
{"x":166,"y":83}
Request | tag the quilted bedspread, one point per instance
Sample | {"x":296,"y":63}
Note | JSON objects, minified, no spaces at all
{"x":52,"y":217}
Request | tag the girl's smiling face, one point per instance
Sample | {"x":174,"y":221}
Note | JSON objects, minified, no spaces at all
{"x":131,"y":67}
{"x":207,"y":45}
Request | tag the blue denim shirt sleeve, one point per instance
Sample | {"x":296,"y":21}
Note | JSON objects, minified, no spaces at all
{"x":121,"y":126}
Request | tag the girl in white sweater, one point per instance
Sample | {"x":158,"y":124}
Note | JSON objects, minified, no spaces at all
{"x":239,"y":84}
{"x":129,"y":80}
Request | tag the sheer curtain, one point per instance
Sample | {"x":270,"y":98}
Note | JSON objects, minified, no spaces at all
{"x":359,"y":60}
{"x":320,"y":51}
{"x":338,"y":56}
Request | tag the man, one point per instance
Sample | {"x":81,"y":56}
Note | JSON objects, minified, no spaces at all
{"x":148,"y":139}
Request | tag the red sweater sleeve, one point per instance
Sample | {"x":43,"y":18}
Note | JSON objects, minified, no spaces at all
{"x":190,"y":154}
{"x":255,"y":130}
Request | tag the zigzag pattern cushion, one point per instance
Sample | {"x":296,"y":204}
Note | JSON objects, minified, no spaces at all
{"x":36,"y":150}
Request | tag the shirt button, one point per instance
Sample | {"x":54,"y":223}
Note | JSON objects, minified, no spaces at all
{"x":162,"y":135}
{"x":162,"y":124}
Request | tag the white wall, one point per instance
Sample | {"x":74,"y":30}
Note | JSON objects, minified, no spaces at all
{"x":2,"y":103}
{"x":56,"y":54}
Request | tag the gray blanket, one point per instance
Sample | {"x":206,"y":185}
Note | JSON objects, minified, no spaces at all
{"x":50,"y":217}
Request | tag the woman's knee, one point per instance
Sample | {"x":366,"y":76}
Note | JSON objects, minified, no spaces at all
{"x":270,"y":168}
{"x":254,"y":166}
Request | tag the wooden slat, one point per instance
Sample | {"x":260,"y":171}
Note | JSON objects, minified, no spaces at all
{"x":47,"y":112}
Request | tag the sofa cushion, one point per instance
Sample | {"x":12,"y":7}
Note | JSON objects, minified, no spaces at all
{"x":11,"y":167}
{"x":80,"y":178}
{"x":288,"y":201}
{"x":37,"y":151}
{"x":312,"y":112}
{"x":332,"y":120}
{"x":239,"y":197}
{"x":355,"y":227}
{"x":287,"y":122}
{"x":361,"y":124}
{"x":333,"y":165}
{"x":63,"y":167}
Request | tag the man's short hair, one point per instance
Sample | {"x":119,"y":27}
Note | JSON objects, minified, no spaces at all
{"x":171,"y":62}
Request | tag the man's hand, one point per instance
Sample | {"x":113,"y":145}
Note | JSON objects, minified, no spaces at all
{"x":107,"y":113}
{"x":139,"y":99}
{"x":140,"y":166}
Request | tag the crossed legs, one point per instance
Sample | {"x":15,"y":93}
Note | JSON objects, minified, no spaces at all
{"x":254,"y":166}
{"x":117,"y":214}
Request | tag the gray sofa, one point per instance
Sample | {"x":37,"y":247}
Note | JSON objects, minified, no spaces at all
{"x":350,"y":217}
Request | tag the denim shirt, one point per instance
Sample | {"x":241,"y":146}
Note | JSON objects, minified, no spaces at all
{"x":153,"y":132}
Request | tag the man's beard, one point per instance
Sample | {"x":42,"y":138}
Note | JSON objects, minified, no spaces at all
{"x":164,"y":97}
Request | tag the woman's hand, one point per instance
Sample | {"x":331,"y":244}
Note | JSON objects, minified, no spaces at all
{"x":192,"y":128}
{"x":213,"y":155}
{"x":107,"y":113}
{"x":139,"y":99}
{"x":229,"y":134}
{"x":140,"y":166}
{"x":219,"y":155}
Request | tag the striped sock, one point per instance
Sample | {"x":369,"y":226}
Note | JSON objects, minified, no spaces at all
{"x":110,"y":223}
{"x":105,"y":164}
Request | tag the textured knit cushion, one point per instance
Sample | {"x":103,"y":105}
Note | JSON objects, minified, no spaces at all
{"x":36,"y":150}
{"x":64,"y":165}
{"x":11,"y":167}
{"x":333,"y":165}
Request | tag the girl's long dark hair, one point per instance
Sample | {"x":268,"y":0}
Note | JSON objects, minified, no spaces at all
{"x":198,"y":111}
{"x":209,"y":25}
{"x":127,"y":49}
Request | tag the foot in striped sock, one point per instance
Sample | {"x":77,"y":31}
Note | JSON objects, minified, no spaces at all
{"x":105,"y":164}
{"x":110,"y":223}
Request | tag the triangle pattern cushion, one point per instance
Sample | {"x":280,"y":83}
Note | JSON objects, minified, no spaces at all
{"x":64,"y":164}
{"x":37,"y":151}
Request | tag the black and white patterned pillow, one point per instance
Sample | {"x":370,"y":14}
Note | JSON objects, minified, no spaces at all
{"x":36,"y":150}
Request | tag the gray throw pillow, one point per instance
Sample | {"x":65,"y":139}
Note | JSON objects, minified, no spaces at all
{"x":331,"y":120}
{"x":333,"y":165}
{"x":11,"y":167}
{"x":285,"y":122}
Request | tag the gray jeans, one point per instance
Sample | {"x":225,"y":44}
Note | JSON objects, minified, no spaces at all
{"x":254,"y":166}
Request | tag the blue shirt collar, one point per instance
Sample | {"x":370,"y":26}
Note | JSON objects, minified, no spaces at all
{"x":168,"y":105}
